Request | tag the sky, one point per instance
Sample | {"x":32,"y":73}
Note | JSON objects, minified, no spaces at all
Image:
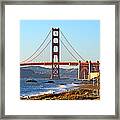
{"x":84,"y":36}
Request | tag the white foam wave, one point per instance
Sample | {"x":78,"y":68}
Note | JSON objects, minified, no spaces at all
{"x":68,"y":85}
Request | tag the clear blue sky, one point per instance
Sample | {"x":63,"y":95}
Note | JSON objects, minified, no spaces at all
{"x":84,"y":35}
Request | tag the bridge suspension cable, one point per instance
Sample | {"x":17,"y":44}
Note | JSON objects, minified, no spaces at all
{"x":40,"y":51}
{"x":72,"y":46}
{"x":69,"y":50}
{"x":38,"y":47}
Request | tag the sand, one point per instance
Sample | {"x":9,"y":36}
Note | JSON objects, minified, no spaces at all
{"x":83,"y":92}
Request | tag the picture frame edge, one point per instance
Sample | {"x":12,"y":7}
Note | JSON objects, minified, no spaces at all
{"x":2,"y":64}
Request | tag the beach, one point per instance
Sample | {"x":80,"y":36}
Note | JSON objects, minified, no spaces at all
{"x":81,"y":92}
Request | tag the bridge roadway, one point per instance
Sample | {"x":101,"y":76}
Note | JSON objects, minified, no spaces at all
{"x":56,"y":63}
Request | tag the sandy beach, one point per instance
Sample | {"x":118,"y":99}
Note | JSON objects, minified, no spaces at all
{"x":83,"y":92}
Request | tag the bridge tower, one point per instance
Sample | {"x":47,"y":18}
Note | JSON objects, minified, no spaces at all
{"x":55,"y":53}
{"x":83,"y":70}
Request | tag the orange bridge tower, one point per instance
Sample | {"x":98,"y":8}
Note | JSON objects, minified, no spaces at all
{"x":55,"y":53}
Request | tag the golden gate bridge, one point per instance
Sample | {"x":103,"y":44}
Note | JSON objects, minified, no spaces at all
{"x":85,"y":68}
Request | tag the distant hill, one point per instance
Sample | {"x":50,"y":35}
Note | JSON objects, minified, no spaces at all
{"x":42,"y":72}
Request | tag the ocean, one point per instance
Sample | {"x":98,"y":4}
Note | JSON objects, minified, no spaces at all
{"x":45,"y":86}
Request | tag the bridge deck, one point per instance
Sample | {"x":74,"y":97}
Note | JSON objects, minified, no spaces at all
{"x":57,"y":63}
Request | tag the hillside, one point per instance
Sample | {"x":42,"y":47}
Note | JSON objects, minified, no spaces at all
{"x":41,"y":72}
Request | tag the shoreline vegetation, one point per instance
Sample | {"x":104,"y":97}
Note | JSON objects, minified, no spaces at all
{"x":83,"y":92}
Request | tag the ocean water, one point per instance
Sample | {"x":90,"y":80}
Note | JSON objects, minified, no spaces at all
{"x":42,"y":86}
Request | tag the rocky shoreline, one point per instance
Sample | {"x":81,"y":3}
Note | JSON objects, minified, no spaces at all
{"x":84,"y":92}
